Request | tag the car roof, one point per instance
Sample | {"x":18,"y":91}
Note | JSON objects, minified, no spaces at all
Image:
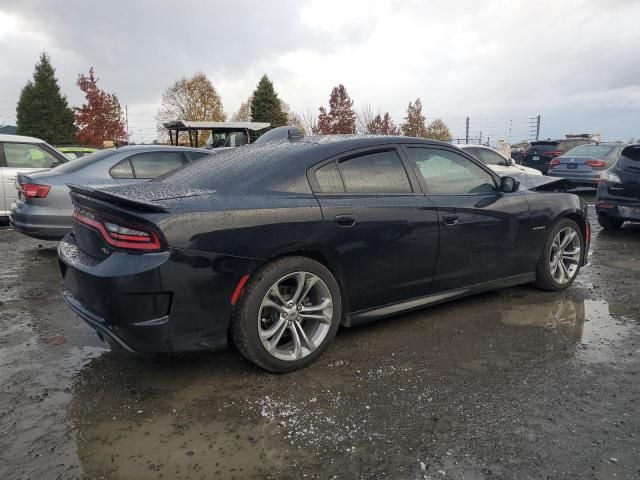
{"x":133,"y":148}
{"x":19,"y":139}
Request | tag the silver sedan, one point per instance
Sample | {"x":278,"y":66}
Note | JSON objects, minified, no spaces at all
{"x":43,"y":208}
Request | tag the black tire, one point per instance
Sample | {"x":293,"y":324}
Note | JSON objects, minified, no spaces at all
{"x":609,"y":223}
{"x":544,"y":277}
{"x":245,"y":320}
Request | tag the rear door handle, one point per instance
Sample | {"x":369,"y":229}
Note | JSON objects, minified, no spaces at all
{"x":450,"y":219}
{"x":345,"y":220}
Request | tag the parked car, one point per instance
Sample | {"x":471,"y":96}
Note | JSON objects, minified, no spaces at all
{"x":43,"y":208}
{"x":22,"y":154}
{"x":618,"y":194}
{"x":77,"y":152}
{"x":540,"y":153}
{"x":584,"y":163}
{"x":496,"y":161}
{"x":276,"y":245}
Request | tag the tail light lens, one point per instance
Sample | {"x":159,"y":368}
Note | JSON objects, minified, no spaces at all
{"x":596,"y":163}
{"x":33,"y":190}
{"x":555,"y":161}
{"x":118,"y":235}
{"x":609,"y":177}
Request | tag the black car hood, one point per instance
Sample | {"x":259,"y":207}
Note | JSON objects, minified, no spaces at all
{"x":542,"y":183}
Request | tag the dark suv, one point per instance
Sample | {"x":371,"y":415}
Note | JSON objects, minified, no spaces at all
{"x":540,"y":153}
{"x":618,"y":195}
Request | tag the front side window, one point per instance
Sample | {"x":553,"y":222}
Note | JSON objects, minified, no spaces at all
{"x":153,"y":164}
{"x":447,"y":172}
{"x":376,"y":172}
{"x":28,"y":155}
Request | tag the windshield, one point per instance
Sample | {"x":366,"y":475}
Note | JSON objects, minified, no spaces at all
{"x":593,"y":151}
{"x":85,"y":161}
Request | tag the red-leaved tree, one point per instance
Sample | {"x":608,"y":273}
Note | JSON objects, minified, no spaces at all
{"x":340,"y":118}
{"x":100,"y":118}
{"x":382,"y":125}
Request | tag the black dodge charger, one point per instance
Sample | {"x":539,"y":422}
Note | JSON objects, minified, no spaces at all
{"x":274,"y":246}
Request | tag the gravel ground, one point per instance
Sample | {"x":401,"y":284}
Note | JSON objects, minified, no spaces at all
{"x":511,"y":384}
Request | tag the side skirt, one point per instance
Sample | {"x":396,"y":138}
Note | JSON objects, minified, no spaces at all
{"x":366,"y":316}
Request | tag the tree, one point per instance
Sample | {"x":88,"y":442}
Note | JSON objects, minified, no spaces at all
{"x":101,"y":117}
{"x":42,"y":110}
{"x":438,"y":130}
{"x":293,"y":118}
{"x":364,"y":116}
{"x":382,"y":125}
{"x":244,"y":111}
{"x":340,"y":118}
{"x":190,"y":99}
{"x":266,"y":106}
{"x":414,"y":121}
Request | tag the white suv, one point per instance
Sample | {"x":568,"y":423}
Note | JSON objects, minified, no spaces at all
{"x":22,"y":154}
{"x":496,"y":161}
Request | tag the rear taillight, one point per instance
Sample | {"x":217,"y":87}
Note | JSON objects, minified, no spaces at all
{"x":555,"y":161}
{"x":596,"y":163}
{"x":124,"y":237}
{"x":33,"y":190}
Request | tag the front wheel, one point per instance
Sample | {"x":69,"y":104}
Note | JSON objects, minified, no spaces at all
{"x":559,"y":263}
{"x":288,"y":314}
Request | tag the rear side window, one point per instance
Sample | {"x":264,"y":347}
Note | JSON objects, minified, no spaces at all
{"x":329,"y":179}
{"x":376,"y":172}
{"x":153,"y":164}
{"x":191,"y":156}
{"x":28,"y":155}
{"x":122,"y":170}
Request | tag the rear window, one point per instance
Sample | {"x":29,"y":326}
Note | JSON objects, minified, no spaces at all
{"x":630,"y":159}
{"x":593,"y":151}
{"x":85,"y":161}
{"x":545,"y":147}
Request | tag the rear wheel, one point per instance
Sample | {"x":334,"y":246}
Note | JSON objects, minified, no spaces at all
{"x":559,"y":263}
{"x":609,"y":223}
{"x":288,"y":314}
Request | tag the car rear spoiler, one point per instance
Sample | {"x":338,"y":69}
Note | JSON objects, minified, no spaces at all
{"x":135,"y":204}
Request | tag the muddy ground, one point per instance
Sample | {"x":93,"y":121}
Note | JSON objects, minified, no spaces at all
{"x":511,"y":384}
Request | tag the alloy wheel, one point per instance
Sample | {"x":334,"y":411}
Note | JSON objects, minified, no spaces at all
{"x":565,"y":255}
{"x":295,"y":316}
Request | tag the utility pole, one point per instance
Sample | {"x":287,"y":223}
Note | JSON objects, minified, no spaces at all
{"x":480,"y":139}
{"x":466,"y":132}
{"x":538,"y":128}
{"x":534,"y":127}
{"x":126,"y":114}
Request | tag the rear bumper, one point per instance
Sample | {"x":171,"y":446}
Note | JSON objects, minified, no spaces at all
{"x":584,"y":179}
{"x":619,"y":208}
{"x":38,"y":222}
{"x":542,"y":167}
{"x":171,"y":301}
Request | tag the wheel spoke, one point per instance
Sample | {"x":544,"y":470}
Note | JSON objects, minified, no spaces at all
{"x":297,"y":345}
{"x":274,"y":334}
{"x":270,"y":303}
{"x":309,"y":285}
{"x":565,"y":272}
{"x":301,"y":278}
{"x":276,"y":295}
{"x":322,"y":318}
{"x":303,"y":336}
{"x":326,"y":303}
{"x":568,"y":238}
{"x":570,"y":258}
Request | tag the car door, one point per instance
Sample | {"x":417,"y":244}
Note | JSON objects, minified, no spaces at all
{"x":144,"y":166}
{"x":379,"y":225}
{"x":21,"y":158}
{"x":483,"y":234}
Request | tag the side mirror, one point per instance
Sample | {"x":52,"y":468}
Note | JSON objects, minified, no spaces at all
{"x":509,"y":184}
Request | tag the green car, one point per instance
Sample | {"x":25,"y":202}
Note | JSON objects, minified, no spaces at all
{"x":77,"y":152}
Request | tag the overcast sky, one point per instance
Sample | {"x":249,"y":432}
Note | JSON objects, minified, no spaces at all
{"x":574,"y":62}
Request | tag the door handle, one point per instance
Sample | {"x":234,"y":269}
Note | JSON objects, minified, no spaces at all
{"x":345,"y":220}
{"x":450,"y":219}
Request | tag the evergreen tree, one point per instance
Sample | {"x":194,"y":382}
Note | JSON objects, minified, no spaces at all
{"x":382,"y":125}
{"x":438,"y":130}
{"x":340,"y":118}
{"x":266,"y":106}
{"x":42,"y":111}
{"x":414,"y":121}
